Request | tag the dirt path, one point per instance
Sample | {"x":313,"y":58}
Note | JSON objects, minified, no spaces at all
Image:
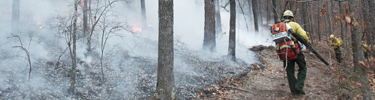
{"x":271,"y":82}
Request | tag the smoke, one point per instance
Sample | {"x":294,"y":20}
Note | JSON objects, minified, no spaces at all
{"x":130,"y":57}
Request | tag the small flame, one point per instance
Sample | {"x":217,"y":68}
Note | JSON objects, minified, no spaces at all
{"x":83,"y":3}
{"x":40,"y":26}
{"x":136,"y":29}
{"x":264,"y":22}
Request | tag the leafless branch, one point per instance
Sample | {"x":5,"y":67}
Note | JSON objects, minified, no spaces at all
{"x":24,"y":49}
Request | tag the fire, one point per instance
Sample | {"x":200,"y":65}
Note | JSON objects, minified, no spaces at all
{"x":136,"y":29}
{"x":83,"y":3}
{"x":40,"y":25}
{"x":264,"y":22}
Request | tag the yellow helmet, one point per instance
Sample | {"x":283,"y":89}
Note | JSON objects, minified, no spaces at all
{"x":288,"y":13}
{"x":331,"y":36}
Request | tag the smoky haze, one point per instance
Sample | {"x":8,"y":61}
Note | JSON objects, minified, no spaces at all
{"x":130,"y":57}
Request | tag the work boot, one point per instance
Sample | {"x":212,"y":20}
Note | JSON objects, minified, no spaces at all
{"x":300,"y":91}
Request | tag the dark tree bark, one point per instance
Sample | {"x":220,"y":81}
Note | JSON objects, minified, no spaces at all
{"x":249,"y":2}
{"x":232,"y":31}
{"x":85,"y":19}
{"x":165,"y":87}
{"x":319,"y":29}
{"x":329,"y":17}
{"x":305,"y":16}
{"x":209,"y":42}
{"x":342,"y":22}
{"x":144,"y":21}
{"x":357,"y":51}
{"x":274,"y":8}
{"x":326,"y":25}
{"x":366,"y":18}
{"x":74,"y":55}
{"x":15,"y":16}
{"x":218,"y":30}
{"x":255,"y":15}
{"x":311,"y":21}
{"x":372,"y":15}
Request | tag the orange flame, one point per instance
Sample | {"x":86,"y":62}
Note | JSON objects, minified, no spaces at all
{"x":83,"y":3}
{"x":136,"y":29}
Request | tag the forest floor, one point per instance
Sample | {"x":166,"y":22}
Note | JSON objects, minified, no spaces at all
{"x":269,"y":81}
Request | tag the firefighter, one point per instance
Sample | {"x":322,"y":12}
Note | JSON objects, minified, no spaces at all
{"x":365,"y":49}
{"x":296,"y":84}
{"x":336,"y":44}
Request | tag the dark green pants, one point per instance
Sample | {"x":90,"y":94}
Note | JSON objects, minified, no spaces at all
{"x":338,"y":54}
{"x":366,"y":54}
{"x":296,"y":84}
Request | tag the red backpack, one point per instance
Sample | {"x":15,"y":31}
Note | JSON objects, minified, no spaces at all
{"x":285,"y":46}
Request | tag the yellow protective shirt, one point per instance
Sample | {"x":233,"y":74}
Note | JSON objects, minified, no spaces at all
{"x":298,"y":29}
{"x":364,"y":47}
{"x":336,"y":43}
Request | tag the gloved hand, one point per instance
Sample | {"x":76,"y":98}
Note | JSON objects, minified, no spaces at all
{"x":281,"y":59}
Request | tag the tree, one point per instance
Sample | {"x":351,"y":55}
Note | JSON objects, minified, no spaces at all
{"x":319,"y":31}
{"x":15,"y":15}
{"x":98,"y":15}
{"x":255,"y":14}
{"x":165,"y":88}
{"x":366,"y":15}
{"x":209,"y":25}
{"x":358,"y":56}
{"x":232,"y":31}
{"x":311,"y":21}
{"x":274,"y":8}
{"x":108,"y":29}
{"x":342,"y":22}
{"x":218,"y":30}
{"x":329,"y":17}
{"x":74,"y":55}
{"x":305,"y":16}
{"x":372,"y":15}
{"x":85,"y":19}
{"x":143,"y":10}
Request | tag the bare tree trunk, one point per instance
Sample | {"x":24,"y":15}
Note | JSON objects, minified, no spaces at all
{"x":268,"y":12}
{"x":327,"y":22}
{"x":232,"y":31}
{"x":85,"y":19}
{"x":144,"y":21}
{"x":260,"y":12}
{"x":319,"y":30}
{"x":358,"y":56}
{"x":329,"y":17}
{"x":366,"y":15}
{"x":218,"y":30}
{"x":305,"y":16}
{"x":372,"y":15}
{"x":209,"y":42}
{"x":165,"y":87}
{"x":311,"y":21}
{"x":15,"y":16}
{"x":249,"y":2}
{"x":255,"y":15}
{"x":74,"y":55}
{"x":274,"y":8}
{"x":342,"y":22}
